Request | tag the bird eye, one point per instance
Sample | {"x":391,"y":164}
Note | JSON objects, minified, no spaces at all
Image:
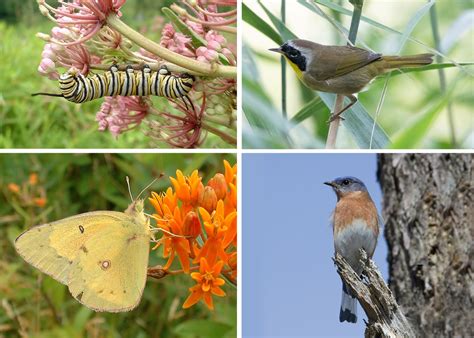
{"x":294,"y":54}
{"x":345,"y":182}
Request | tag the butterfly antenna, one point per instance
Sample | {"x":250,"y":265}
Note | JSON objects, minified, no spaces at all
{"x":129,"y":190}
{"x":150,"y":184}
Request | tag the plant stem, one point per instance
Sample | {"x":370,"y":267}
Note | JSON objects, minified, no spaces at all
{"x":442,"y":76}
{"x":334,"y":126}
{"x":226,"y":137}
{"x":224,"y":121}
{"x":212,"y":70}
{"x":283,"y":66}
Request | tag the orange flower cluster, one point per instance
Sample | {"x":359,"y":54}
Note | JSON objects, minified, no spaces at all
{"x":29,"y":193}
{"x":200,"y":228}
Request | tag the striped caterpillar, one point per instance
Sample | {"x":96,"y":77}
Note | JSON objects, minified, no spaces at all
{"x":77,"y":88}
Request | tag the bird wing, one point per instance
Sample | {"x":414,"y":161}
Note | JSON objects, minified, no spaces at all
{"x":340,"y":60}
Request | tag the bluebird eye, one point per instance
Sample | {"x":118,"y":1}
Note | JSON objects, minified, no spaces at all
{"x":346,"y":182}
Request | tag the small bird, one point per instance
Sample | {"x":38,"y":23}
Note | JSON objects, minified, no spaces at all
{"x":342,"y":70}
{"x":356,"y":225}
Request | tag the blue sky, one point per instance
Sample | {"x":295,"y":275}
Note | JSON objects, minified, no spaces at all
{"x":290,"y":285}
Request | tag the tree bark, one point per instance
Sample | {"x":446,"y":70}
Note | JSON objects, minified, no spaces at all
{"x":429,"y":226}
{"x":385,"y":319}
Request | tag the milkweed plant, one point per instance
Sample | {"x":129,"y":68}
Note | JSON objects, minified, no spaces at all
{"x":199,"y":38}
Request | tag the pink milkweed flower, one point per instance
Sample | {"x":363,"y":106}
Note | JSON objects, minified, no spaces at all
{"x":86,"y":16}
{"x":205,"y":54}
{"x":48,"y":68}
{"x":183,"y":131}
{"x":121,"y":113}
{"x":176,"y":42}
{"x":74,"y":56}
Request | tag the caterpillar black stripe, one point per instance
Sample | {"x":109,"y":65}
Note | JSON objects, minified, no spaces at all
{"x":77,"y":88}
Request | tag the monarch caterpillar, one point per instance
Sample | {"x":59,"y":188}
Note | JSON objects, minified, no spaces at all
{"x":77,"y":88}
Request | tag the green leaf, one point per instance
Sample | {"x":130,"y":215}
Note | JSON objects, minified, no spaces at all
{"x":285,"y":33}
{"x":419,"y":14}
{"x":360,"y":124}
{"x":255,"y":21}
{"x":418,"y":127}
{"x":202,"y":328}
{"x":196,"y":40}
{"x":315,"y":107}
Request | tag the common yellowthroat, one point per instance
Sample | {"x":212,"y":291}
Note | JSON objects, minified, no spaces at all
{"x":342,"y":70}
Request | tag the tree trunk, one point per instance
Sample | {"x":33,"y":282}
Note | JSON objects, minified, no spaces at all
{"x":429,"y":226}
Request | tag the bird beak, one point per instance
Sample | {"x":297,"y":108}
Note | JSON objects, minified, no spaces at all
{"x":331,"y":184}
{"x":277,"y":50}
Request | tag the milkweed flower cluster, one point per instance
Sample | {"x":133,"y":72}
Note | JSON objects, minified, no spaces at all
{"x":200,"y":230}
{"x":200,"y":37}
{"x":30,"y":193}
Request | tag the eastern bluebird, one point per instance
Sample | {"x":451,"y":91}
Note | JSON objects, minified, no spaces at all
{"x":355,"y":224}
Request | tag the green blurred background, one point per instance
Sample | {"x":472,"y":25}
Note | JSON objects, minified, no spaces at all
{"x":36,"y":305}
{"x":51,"y":122}
{"x":414,"y":113}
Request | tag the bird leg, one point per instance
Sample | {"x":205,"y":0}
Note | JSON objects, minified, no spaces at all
{"x":337,"y":115}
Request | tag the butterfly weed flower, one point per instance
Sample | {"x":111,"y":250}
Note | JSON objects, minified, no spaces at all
{"x":30,"y":193}
{"x":208,"y":284}
{"x":200,"y":223}
{"x":91,"y":35}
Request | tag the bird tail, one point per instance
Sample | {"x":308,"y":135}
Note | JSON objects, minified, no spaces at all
{"x":348,"y":310}
{"x":392,"y":62}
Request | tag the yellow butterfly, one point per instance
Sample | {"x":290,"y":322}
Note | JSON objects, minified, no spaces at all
{"x":101,"y":256}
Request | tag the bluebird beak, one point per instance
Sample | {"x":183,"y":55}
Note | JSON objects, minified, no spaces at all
{"x":331,"y":184}
{"x":277,"y":50}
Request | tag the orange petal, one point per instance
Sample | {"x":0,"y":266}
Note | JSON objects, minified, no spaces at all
{"x":208,"y":300}
{"x":192,"y":299}
{"x":205,"y":287}
{"x":218,"y":291}
{"x":218,"y":282}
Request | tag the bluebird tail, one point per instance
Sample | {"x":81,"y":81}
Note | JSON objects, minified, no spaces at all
{"x":348,"y":310}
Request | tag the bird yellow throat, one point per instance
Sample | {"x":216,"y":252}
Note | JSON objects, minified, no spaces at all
{"x":293,"y":65}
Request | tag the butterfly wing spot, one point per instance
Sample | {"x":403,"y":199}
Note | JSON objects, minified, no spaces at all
{"x":104,"y":265}
{"x":79,"y":296}
{"x":100,"y":291}
{"x":39,"y":229}
{"x":112,"y":292}
{"x":124,"y":291}
{"x":81,"y":229}
{"x":83,"y":248}
{"x":131,"y":239}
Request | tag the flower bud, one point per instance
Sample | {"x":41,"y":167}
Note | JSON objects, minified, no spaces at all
{"x":219,"y":185}
{"x":233,"y":261}
{"x":14,"y":188}
{"x":33,"y":179}
{"x":39,"y":202}
{"x":208,"y":199}
{"x":192,"y":225}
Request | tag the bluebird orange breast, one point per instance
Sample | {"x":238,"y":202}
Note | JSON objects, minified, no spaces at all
{"x":353,"y":206}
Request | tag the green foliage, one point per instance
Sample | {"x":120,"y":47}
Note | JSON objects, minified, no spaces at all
{"x":35,"y":305}
{"x":381,"y":114}
{"x":52,"y":122}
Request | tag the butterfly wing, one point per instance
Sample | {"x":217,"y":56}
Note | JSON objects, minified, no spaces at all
{"x":109,"y":273}
{"x":52,"y":247}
